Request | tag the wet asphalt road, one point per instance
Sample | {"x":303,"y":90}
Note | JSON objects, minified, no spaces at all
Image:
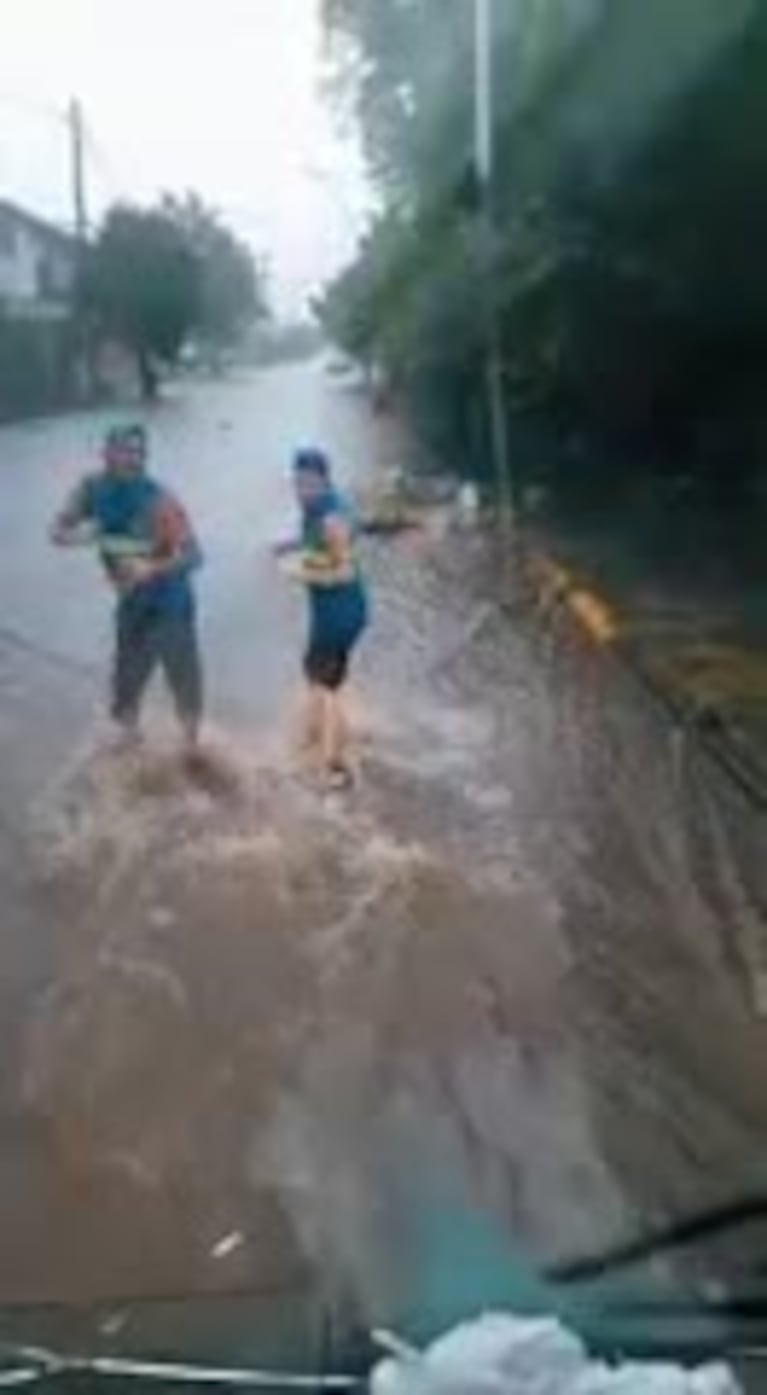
{"x":396,"y":1051}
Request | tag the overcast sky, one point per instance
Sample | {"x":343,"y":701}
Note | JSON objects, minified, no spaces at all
{"x":217,"y":95}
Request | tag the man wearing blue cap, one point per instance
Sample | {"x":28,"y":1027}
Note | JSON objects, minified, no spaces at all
{"x":338,"y":608}
{"x":149,"y":552}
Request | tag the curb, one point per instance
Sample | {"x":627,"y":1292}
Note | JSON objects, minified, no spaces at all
{"x":557,"y":586}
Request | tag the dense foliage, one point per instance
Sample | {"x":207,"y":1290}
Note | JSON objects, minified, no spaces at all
{"x":156,"y":276}
{"x":38,"y":366}
{"x":631,"y":216}
{"x":231,"y":294}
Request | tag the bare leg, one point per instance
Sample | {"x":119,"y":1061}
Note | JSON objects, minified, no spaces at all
{"x":335,"y":737}
{"x":190,"y":735}
{"x":312,"y":722}
{"x":327,"y":734}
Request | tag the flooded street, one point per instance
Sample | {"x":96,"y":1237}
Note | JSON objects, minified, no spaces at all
{"x":401,"y":1050}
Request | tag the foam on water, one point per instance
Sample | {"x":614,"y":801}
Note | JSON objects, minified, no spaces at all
{"x":255,"y":969}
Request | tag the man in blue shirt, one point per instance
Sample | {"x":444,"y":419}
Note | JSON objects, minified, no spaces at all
{"x":149,"y":552}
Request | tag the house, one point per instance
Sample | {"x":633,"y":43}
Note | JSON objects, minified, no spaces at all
{"x":37,"y":266}
{"x":41,"y":361}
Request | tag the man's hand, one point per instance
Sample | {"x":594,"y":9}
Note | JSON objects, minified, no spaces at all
{"x":64,"y":533}
{"x":60,"y":534}
{"x":288,"y":548}
{"x":74,"y":525}
{"x":292,"y":566}
{"x":136,"y":571}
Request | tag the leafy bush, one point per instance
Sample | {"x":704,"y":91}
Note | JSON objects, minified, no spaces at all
{"x":631,"y":217}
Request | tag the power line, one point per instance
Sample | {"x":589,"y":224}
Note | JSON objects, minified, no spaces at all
{"x":79,"y":204}
{"x":34,"y":107}
{"x":42,"y":111}
{"x":104,"y":163}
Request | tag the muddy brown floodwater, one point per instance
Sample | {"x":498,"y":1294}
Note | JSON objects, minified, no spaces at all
{"x":396,"y":1051}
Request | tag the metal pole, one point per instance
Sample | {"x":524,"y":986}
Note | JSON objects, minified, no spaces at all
{"x":75,"y":117}
{"x":485,"y":165}
{"x":77,"y":146}
{"x":484,"y":92}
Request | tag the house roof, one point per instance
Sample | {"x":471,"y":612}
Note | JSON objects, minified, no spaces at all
{"x":15,"y":213}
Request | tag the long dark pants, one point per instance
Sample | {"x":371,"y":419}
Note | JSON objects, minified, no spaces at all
{"x":145,"y":639}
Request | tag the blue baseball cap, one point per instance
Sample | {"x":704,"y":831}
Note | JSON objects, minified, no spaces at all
{"x":314,"y":461}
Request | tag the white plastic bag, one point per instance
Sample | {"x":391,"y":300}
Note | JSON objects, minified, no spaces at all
{"x":501,"y":1355}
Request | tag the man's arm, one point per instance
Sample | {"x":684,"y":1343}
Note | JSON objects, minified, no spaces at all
{"x":67,"y":526}
{"x":338,"y":567}
{"x":175,"y":547}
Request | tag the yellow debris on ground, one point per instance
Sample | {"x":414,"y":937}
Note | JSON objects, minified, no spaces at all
{"x":595,"y":616}
{"x":384,"y":509}
{"x":554,"y":579}
{"x":556,"y":584}
{"x":689,"y":654}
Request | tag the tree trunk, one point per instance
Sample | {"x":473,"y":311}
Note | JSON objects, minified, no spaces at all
{"x":147,"y":377}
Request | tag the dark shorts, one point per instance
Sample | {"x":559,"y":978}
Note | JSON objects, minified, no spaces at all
{"x":327,"y":665}
{"x":337,"y":623}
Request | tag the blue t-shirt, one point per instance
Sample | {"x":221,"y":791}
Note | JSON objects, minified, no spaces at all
{"x":139,"y":517}
{"x":338,"y":613}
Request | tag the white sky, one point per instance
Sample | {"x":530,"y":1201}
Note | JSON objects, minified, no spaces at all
{"x":221,"y":96}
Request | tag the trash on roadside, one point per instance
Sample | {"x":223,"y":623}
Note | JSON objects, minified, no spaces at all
{"x":386,"y":513}
{"x":228,"y":1245}
{"x":468,"y":503}
{"x":386,"y":507}
{"x":113,"y":1324}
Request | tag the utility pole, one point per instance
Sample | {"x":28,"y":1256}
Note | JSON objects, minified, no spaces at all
{"x":80,"y":208}
{"x":75,"y":120}
{"x":485,"y":170}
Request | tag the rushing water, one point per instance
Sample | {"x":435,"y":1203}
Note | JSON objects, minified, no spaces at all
{"x":393,"y":1051}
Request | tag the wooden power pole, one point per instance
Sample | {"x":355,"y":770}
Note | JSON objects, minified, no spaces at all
{"x":484,"y":125}
{"x":76,"y":133}
{"x":80,"y":210}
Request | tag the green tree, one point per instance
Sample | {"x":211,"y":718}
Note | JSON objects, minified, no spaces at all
{"x":142,"y":284}
{"x":154,"y":277}
{"x":232,"y":293}
{"x":630,"y":218}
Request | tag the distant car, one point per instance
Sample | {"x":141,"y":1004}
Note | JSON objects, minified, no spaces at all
{"x":337,"y":364}
{"x":190,"y":357}
{"x":346,"y":373}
